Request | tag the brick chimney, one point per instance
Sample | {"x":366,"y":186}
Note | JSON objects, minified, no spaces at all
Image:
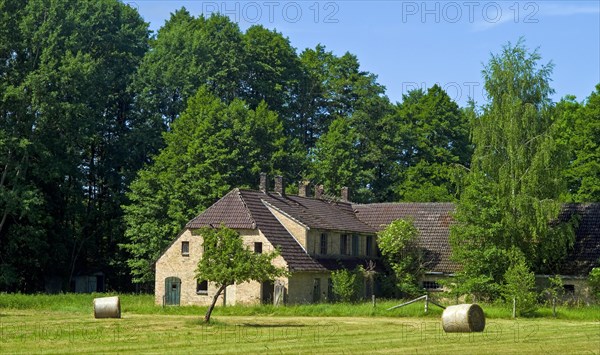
{"x":345,"y":194}
{"x":319,"y":191}
{"x":263,"y":183}
{"x":303,"y":188}
{"x":279,"y":185}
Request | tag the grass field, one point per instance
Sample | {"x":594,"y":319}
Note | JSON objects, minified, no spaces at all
{"x":65,"y":324}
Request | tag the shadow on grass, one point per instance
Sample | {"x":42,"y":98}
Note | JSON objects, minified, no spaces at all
{"x":278,"y":325}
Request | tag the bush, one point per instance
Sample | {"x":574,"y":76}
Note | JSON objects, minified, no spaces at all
{"x":594,"y":282}
{"x":346,"y":284}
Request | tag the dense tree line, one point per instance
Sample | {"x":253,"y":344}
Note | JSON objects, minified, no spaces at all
{"x":112,"y":138}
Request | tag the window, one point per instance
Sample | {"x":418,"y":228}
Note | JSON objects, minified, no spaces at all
{"x":431,"y":285}
{"x":323,"y":244}
{"x":258,"y":247}
{"x":369,"y":250}
{"x":202,"y":287}
{"x":569,"y":289}
{"x":185,"y":248}
{"x":344,"y":244}
{"x":355,"y":245}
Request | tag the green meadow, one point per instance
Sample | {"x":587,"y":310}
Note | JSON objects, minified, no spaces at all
{"x":63,"y":324}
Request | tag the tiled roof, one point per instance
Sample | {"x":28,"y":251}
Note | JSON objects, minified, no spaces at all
{"x":242,"y":209}
{"x":586,"y":250}
{"x":320,"y":214}
{"x":231,"y":210}
{"x":431,"y":219}
{"x":248,"y":209}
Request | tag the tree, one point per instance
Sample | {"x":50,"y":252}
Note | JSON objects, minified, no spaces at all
{"x":211,"y":148}
{"x":65,"y":127}
{"x":226,"y":261}
{"x":555,"y":290}
{"x":515,"y":181}
{"x":520,"y":285}
{"x":579,"y":134}
{"x":433,"y":146}
{"x":401,"y":253}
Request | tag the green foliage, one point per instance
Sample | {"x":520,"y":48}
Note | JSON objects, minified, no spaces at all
{"x":579,"y":133}
{"x":520,"y":284}
{"x":65,"y":136}
{"x":515,"y":180}
{"x":347,"y":284}
{"x":594,"y":282}
{"x":398,"y":245}
{"x":211,"y":148}
{"x":226,"y":261}
{"x":433,"y":146}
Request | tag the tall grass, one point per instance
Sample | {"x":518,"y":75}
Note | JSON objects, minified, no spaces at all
{"x":144,"y":304}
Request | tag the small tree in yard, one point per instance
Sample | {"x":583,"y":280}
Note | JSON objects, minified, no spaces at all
{"x":226,"y":261}
{"x":594,"y":282}
{"x":398,"y":245}
{"x":554,"y":290}
{"x":519,"y":285}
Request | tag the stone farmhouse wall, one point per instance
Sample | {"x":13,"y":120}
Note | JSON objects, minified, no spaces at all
{"x":173,"y":263}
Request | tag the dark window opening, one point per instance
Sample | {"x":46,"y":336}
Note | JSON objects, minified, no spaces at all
{"x":185,"y":248}
{"x":202,"y":287}
{"x":431,"y":285}
{"x":569,"y":289}
{"x":258,"y":248}
{"x":369,"y":250}
{"x":343,"y":244}
{"x":323,"y":244}
{"x":355,"y":245}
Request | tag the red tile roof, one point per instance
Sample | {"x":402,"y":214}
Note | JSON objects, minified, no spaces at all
{"x":249,"y":209}
{"x":431,"y":219}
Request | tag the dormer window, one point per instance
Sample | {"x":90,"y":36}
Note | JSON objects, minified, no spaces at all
{"x":185,"y":248}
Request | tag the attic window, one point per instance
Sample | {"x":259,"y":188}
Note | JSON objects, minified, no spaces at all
{"x":185,"y":248}
{"x":258,"y":247}
{"x":202,"y":287}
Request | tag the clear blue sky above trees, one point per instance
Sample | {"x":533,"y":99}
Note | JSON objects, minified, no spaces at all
{"x":412,"y":44}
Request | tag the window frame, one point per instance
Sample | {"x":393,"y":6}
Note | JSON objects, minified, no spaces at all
{"x":323,"y":244}
{"x":199,"y":290}
{"x":185,"y":248}
{"x":343,"y":244}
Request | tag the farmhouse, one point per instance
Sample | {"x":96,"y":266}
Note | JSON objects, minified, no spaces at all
{"x":316,"y":235}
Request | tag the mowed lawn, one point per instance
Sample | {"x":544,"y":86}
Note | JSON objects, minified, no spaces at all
{"x":43,"y":330}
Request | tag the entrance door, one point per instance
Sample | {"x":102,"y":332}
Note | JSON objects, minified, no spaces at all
{"x":172,"y":291}
{"x":317,"y":290}
{"x":268,"y":290}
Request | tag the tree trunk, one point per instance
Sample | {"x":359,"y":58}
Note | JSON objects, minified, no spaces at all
{"x":212,"y":305}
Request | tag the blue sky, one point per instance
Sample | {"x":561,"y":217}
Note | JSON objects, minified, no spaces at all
{"x":411,"y":44}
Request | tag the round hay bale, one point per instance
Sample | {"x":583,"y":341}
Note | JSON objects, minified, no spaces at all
{"x":463,"y":318}
{"x":107,"y":307}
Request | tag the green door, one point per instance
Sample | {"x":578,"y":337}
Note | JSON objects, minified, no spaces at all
{"x":172,"y":291}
